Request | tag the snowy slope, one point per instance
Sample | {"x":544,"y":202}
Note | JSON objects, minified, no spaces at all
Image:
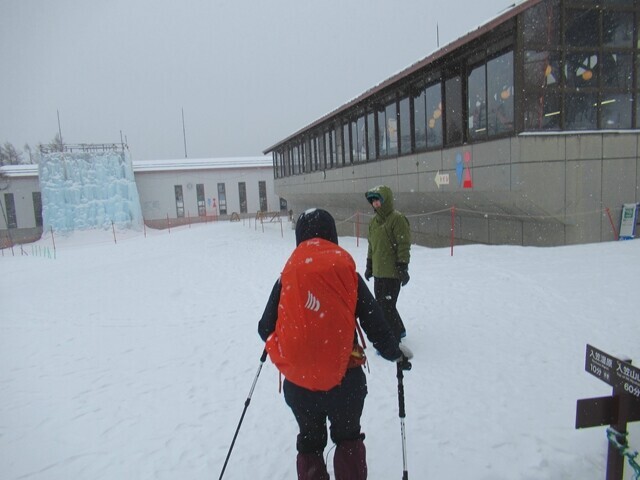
{"x":134,"y":360}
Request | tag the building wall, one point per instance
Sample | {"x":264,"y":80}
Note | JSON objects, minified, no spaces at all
{"x":22,"y":189}
{"x":157,"y":196}
{"x":544,"y":189}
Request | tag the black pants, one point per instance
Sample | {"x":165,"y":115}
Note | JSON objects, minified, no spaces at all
{"x":342,"y":405}
{"x":386,"y":291}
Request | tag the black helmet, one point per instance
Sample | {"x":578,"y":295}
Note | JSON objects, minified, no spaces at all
{"x":316,"y":223}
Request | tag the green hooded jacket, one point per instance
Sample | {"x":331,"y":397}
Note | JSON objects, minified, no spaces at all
{"x":389,"y":236}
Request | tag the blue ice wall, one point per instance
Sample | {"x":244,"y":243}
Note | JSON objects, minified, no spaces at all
{"x":83,"y":190}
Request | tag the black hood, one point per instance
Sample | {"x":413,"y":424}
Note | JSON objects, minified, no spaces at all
{"x":316,"y":223}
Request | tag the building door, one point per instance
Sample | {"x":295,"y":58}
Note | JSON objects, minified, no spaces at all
{"x":242,"y":192}
{"x":262,"y":191}
{"x":37,"y":208}
{"x":9,"y":204}
{"x":222,"y":199}
{"x":202,"y":208}
{"x":179,"y":201}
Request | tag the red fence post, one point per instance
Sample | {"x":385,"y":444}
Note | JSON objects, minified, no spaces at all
{"x":615,"y":232}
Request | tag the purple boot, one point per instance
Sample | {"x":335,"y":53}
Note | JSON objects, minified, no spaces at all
{"x":350,"y":460}
{"x":311,"y":466}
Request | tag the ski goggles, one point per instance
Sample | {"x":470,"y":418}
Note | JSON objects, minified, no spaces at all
{"x":371,"y":197}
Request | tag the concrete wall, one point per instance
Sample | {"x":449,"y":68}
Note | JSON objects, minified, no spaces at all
{"x":157,"y":198}
{"x":532,"y":189}
{"x":22,"y":188}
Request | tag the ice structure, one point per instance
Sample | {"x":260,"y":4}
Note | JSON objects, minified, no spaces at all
{"x":85,"y":190}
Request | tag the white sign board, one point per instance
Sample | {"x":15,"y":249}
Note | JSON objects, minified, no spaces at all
{"x":628,"y":221}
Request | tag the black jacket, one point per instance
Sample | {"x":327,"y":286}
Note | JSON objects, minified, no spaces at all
{"x":367,"y":310}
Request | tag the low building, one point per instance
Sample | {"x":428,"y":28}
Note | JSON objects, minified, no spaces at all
{"x":524,"y":131}
{"x":172,"y":192}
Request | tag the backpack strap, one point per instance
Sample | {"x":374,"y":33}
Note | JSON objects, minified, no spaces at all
{"x":358,"y":357}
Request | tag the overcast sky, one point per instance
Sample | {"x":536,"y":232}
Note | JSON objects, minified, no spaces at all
{"x":247,"y":73}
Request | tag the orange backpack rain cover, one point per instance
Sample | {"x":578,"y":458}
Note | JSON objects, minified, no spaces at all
{"x":315,"y":330}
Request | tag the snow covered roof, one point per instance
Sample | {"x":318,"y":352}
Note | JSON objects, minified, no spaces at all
{"x":30,"y":170}
{"x":202,"y":164}
{"x":163,"y":165}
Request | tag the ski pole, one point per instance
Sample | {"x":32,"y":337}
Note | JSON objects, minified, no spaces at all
{"x":403,"y":364}
{"x":246,"y":405}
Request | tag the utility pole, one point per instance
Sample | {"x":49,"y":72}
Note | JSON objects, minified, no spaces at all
{"x":184,"y":135}
{"x":59,"y":129}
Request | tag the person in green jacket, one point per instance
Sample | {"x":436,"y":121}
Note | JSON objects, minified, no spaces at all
{"x":388,"y":254}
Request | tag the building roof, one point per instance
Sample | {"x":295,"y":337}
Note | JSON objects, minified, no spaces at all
{"x":140,"y":166}
{"x":31,"y":170}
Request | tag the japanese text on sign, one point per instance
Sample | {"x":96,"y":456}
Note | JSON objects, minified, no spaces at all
{"x":613,"y":371}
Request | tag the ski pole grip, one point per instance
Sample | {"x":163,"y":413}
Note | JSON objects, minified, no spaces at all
{"x":264,"y":356}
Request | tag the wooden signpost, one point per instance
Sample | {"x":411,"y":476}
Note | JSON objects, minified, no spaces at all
{"x":622,"y":407}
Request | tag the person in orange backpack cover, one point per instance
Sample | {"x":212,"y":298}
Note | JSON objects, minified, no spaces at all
{"x":309,"y":326}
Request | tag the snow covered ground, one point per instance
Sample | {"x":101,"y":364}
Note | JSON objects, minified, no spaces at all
{"x":134,"y":360}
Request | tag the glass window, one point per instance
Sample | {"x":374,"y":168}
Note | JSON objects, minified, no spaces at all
{"x":542,"y":99}
{"x":371,"y":137}
{"x":9,"y":203}
{"x":337,"y":135}
{"x":582,"y":27}
{"x":453,"y":110}
{"x":328,"y":145}
{"x":382,"y":133}
{"x":581,"y":111}
{"x":361,"y":147}
{"x":296,"y":160}
{"x":331,"y":138}
{"x":347,"y":143}
{"x":434,"y":115}
{"x":405,"y":126}
{"x":477,"y":101}
{"x":542,"y":24}
{"x":312,"y":154}
{"x":616,"y":111}
{"x":308,"y":159}
{"x":177,"y":189}
{"x":541,"y":69}
{"x":322,"y":165}
{"x":581,"y":70}
{"x":500,"y":94}
{"x":391,"y":114}
{"x":222,"y":199}
{"x":617,"y":70}
{"x":617,"y":29}
{"x":419,"y":120}
{"x":242,"y":194}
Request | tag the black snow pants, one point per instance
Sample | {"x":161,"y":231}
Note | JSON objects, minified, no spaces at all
{"x":342,"y":406}
{"x":386,"y":291}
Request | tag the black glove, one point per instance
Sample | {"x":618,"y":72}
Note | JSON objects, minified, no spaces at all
{"x":403,"y":273}
{"x":368,"y":273}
